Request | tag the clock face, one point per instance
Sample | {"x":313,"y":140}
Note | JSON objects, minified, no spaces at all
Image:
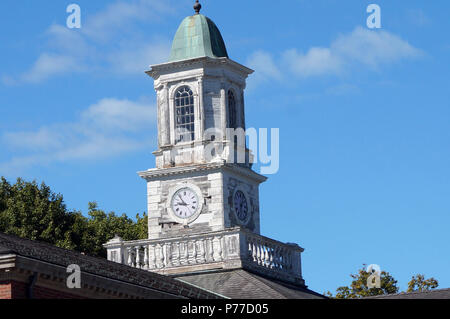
{"x":240,"y":205}
{"x":185,"y":203}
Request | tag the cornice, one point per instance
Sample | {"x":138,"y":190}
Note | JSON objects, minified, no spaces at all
{"x":156,"y":173}
{"x":170,"y":66}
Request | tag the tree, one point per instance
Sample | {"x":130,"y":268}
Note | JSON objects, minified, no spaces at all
{"x":33,"y":211}
{"x":359,"y":289}
{"x":419,"y":283}
{"x":101,"y":227}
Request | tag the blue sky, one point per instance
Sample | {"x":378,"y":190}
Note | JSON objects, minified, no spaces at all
{"x":363,"y":115}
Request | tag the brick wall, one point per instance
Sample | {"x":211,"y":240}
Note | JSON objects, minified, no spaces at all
{"x":5,"y":290}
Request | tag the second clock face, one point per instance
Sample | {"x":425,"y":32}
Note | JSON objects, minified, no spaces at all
{"x":241,"y":206}
{"x":185,"y":203}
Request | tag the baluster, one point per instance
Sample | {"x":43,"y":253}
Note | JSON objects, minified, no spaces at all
{"x":254,"y":252}
{"x":186,"y":253}
{"x":138,"y":256}
{"x":223,"y":248}
{"x":130,"y":257}
{"x":203,"y":254}
{"x":264,"y":255}
{"x":189,"y":259}
{"x":161,"y":256}
{"x":178,"y":259}
{"x":271,"y":257}
{"x":153,"y":258}
{"x":258,"y":252}
{"x":195,"y":252}
{"x":211,"y":251}
{"x":280,"y":258}
{"x":267,"y":255}
{"x":146,"y":265}
{"x":275,"y":257}
{"x":169,"y":254}
{"x":220,"y":250}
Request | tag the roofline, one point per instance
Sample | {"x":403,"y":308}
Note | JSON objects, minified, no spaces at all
{"x":17,"y":264}
{"x":9,"y":254}
{"x":407,"y":293}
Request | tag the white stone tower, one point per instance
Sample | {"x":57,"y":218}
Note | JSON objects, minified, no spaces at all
{"x":200,"y":95}
{"x":203,"y":199}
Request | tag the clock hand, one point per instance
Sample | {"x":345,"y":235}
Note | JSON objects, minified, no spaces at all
{"x":184,"y":203}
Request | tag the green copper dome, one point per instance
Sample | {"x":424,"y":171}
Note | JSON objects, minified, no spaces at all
{"x":197,"y":37}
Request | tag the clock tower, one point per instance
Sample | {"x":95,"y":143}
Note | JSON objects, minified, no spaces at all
{"x":203,"y":179}
{"x":203,"y":196}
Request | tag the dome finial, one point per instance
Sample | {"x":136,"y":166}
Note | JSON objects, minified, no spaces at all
{"x":197,"y":7}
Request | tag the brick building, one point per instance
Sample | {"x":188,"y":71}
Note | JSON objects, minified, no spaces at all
{"x":35,"y":270}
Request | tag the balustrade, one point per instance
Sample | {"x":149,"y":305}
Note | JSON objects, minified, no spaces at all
{"x":251,"y":249}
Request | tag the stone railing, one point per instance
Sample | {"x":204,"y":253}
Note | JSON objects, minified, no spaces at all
{"x":228,"y":249}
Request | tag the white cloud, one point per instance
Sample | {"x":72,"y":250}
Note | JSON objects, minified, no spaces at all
{"x":48,"y":65}
{"x":107,"y":128}
{"x":317,"y":61}
{"x":266,"y":69}
{"x":108,"y":41}
{"x":43,"y":139}
{"x":120,"y":15}
{"x":264,"y":65}
{"x":135,"y":61}
{"x":372,"y":48}
{"x":68,"y":40}
{"x":360,"y":48}
{"x":125,"y":115}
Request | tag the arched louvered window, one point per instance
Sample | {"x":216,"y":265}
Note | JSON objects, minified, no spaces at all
{"x":232,"y":112}
{"x":184,"y":115}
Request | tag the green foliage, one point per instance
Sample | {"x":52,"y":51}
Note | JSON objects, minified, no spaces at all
{"x":33,"y":211}
{"x":419,"y":283}
{"x":101,"y":227}
{"x":359,"y":289}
